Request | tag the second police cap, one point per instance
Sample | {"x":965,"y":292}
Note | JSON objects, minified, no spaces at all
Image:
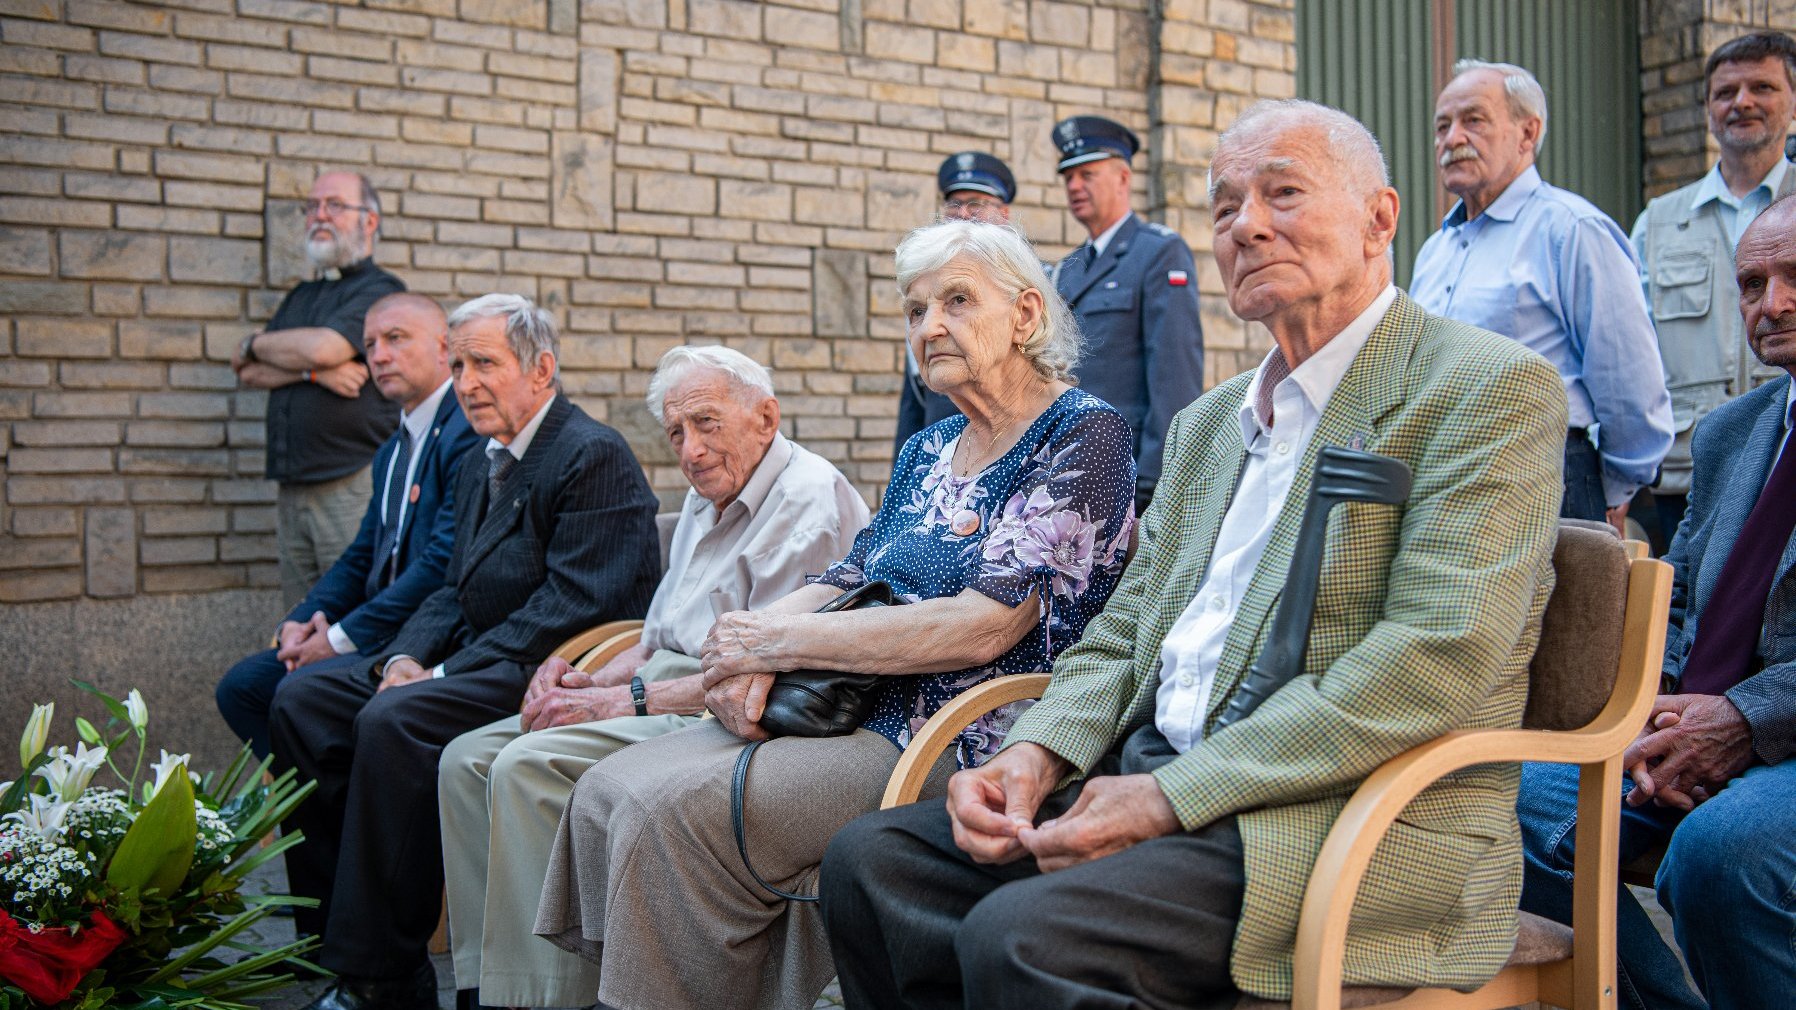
{"x":1093,"y":138}
{"x":976,"y":171}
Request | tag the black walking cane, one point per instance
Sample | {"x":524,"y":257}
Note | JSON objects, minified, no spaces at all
{"x":1342,"y":475}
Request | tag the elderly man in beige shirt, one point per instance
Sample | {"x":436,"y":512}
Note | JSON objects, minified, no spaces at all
{"x":763,"y":513}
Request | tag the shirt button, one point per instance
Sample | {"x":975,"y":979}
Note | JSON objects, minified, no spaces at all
{"x":1186,"y":680}
{"x":1283,"y":448}
{"x":1217,"y":603}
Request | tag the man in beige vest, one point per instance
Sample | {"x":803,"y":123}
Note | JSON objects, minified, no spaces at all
{"x":1686,"y":242}
{"x":763,"y":513}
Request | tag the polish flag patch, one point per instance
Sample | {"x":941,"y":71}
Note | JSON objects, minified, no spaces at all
{"x":1177,"y":278}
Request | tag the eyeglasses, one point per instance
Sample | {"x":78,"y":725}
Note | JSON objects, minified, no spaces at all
{"x":331,"y":207}
{"x":975,"y":208}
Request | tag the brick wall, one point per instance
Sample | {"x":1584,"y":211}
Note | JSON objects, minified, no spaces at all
{"x":653,"y":171}
{"x":1676,"y":38}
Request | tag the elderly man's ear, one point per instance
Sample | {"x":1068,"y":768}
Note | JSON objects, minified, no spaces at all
{"x":1381,"y":228}
{"x":767,"y":415}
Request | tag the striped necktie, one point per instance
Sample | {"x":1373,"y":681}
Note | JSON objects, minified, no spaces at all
{"x":502,"y":464}
{"x":383,"y":567}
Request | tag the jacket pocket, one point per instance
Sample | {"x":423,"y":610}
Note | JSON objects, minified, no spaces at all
{"x":1681,"y":286}
{"x":1102,"y":299}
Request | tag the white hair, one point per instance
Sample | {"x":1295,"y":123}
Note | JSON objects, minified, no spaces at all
{"x":1527,"y":99}
{"x":1010,"y":263}
{"x":529,"y":330}
{"x":749,"y":379}
{"x":1354,"y":147}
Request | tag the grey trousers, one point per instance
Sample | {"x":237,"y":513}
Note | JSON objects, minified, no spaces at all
{"x":501,"y":794}
{"x":914,"y":923}
{"x":314,"y":525}
{"x":645,"y":870}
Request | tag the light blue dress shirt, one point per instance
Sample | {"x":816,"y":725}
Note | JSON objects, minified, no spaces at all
{"x":1547,"y":268}
{"x":1736,"y":212}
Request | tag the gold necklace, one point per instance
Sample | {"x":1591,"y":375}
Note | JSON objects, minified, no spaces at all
{"x":970,"y":469}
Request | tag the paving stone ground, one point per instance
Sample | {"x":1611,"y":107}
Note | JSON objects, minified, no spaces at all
{"x":271,"y":878}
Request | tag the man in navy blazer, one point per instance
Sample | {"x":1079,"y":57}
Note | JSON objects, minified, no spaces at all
{"x":1133,"y":287}
{"x":1712,"y":775}
{"x":397,"y":558}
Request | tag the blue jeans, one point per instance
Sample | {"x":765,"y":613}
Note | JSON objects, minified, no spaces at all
{"x":1728,"y":880}
{"x":1584,"y":497}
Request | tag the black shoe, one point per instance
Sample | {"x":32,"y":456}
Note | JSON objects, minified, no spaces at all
{"x":469,"y":999}
{"x":349,"y":992}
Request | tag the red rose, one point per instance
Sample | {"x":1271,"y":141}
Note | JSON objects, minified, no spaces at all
{"x":49,"y":964}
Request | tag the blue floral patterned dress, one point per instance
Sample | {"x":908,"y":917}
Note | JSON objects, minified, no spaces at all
{"x":1053,"y":514}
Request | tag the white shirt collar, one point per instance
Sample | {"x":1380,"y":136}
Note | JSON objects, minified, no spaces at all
{"x":1321,"y":372}
{"x":417,"y":423}
{"x":521,"y":445}
{"x":1102,"y":242}
{"x":1714,"y":187}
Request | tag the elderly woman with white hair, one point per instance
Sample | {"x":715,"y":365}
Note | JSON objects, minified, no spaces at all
{"x":1003,"y":529}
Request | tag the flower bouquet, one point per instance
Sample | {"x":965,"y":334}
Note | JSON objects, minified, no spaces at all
{"x":128,"y":895}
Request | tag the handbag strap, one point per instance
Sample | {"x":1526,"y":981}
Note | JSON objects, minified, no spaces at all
{"x":739,"y":785}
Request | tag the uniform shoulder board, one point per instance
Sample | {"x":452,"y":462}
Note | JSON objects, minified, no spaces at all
{"x":1160,"y":229}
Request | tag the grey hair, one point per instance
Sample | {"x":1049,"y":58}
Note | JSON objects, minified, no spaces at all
{"x":749,"y":379}
{"x":1354,"y":147}
{"x":370,"y":195}
{"x":1009,"y":262}
{"x":1527,"y":99}
{"x":529,"y":330}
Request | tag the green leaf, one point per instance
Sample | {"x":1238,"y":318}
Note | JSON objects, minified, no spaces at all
{"x":158,"y":848}
{"x":113,"y":705}
{"x":15,"y":797}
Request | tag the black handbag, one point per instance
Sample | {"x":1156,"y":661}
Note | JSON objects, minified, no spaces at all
{"x":810,"y":703}
{"x":826,"y":702}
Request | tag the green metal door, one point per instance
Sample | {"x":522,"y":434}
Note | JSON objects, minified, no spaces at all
{"x":1384,"y":60}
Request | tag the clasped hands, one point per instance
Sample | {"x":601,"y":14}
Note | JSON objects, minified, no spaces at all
{"x":738,"y":662}
{"x":992,"y":809}
{"x":560,"y":695}
{"x":1691,"y":746}
{"x":300,"y":644}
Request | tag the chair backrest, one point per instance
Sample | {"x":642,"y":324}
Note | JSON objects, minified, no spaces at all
{"x":664,"y":526}
{"x":1573,"y":671}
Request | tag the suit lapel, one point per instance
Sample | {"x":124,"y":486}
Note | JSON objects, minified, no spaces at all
{"x":507,"y":507}
{"x":1223,"y":455}
{"x":1731,"y":510}
{"x":1106,"y":264}
{"x":1368,"y":392}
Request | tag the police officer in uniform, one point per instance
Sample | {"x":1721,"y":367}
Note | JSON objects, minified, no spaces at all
{"x":1133,"y":286}
{"x":975,"y":187}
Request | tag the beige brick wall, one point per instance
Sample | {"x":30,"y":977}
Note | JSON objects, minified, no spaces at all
{"x":1676,"y":38}
{"x":653,"y":171}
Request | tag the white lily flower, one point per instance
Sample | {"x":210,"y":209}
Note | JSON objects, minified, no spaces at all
{"x":37,"y":732}
{"x":43,"y":817}
{"x":69,"y":775}
{"x":137,"y":710}
{"x":170,"y":764}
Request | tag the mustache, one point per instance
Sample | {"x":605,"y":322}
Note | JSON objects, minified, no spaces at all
{"x":1767,"y":325}
{"x":1745,"y":117}
{"x":1464,"y":152}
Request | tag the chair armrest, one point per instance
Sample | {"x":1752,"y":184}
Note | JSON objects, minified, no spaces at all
{"x":928,"y":743}
{"x":1347,"y":851}
{"x":607,"y":650}
{"x":579,"y":645}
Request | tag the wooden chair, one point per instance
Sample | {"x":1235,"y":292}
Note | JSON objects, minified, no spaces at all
{"x":1592,"y":683}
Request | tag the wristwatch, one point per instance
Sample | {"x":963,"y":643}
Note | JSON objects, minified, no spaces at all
{"x":247,"y":349}
{"x":640,"y":695}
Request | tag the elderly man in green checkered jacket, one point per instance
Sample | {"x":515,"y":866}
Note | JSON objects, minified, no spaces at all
{"x":1170,"y":872}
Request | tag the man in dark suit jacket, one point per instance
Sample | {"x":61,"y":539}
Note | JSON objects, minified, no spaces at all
{"x":555,"y":532}
{"x":409,"y":526}
{"x":1712,"y":775}
{"x":1133,"y":287}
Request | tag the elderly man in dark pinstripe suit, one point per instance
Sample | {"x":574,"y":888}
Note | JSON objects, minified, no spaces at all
{"x":555,"y":532}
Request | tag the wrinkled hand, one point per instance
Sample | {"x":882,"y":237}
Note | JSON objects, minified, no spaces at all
{"x":990,"y":805}
{"x":1113,"y":813}
{"x":345,"y":380}
{"x":555,"y":672}
{"x":738,"y":702}
{"x":741,"y":642}
{"x":237,"y":358}
{"x":309,"y":643}
{"x":400,"y":672}
{"x":1693,"y":744}
{"x":563,"y":706}
{"x":288,"y":636}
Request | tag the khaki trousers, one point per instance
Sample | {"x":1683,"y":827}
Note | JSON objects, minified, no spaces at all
{"x":502,"y":792}
{"x":645,"y":870}
{"x":314,"y":525}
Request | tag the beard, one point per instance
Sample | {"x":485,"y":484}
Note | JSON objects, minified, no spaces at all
{"x":329,"y":249}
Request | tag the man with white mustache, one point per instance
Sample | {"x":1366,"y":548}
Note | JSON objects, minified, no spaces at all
{"x":1547,"y":268}
{"x":325,"y":419}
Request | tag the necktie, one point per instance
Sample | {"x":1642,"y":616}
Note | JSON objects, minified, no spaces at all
{"x":502,"y":463}
{"x":381,"y":568}
{"x":1727,"y":635}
